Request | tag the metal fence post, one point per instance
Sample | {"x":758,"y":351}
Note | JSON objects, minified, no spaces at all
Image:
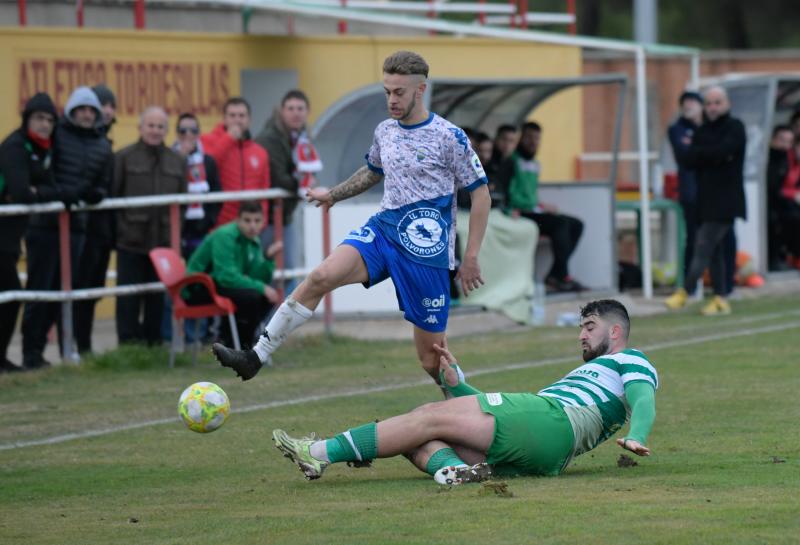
{"x":326,"y":251}
{"x":68,"y":351}
{"x":277,"y":222}
{"x":179,"y":333}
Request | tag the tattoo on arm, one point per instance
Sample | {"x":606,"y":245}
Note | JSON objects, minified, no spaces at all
{"x":360,"y":181}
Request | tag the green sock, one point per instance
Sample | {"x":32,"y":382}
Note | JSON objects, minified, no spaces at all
{"x":356,"y":444}
{"x":442,"y":458}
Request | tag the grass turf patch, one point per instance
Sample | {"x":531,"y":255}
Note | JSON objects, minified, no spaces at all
{"x":726,"y":411}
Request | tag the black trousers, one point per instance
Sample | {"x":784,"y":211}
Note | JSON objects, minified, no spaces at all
{"x":138,"y":317}
{"x":44,"y":273}
{"x":9,"y":281}
{"x":709,"y":250}
{"x":251,"y":308}
{"x":789,"y":218}
{"x":564,"y":233}
{"x":728,"y":249}
{"x":91,"y":274}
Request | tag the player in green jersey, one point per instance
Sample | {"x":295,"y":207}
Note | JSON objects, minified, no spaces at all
{"x":474,"y":435}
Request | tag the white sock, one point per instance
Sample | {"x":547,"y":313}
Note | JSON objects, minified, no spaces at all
{"x":289,"y":316}
{"x":319,"y":450}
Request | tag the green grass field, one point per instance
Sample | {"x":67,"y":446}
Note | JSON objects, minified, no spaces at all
{"x":725,"y":468}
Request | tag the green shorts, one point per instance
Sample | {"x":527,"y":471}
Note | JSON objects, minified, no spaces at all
{"x":532,"y":434}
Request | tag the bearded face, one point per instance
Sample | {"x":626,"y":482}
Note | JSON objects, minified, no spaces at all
{"x":595,"y":337}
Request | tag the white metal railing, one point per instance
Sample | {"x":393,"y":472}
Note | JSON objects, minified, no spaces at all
{"x":66,"y":295}
{"x":153,"y":200}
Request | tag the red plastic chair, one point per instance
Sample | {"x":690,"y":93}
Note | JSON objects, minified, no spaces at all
{"x":172,"y":273}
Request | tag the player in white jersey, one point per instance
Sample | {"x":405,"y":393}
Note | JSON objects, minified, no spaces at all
{"x":474,"y":435}
{"x":423,"y":160}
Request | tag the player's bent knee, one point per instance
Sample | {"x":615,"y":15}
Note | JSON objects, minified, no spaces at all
{"x":320,"y":280}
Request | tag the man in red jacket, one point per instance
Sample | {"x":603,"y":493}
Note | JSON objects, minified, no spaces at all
{"x":242,"y":163}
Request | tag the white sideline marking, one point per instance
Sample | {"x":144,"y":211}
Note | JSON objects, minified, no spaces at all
{"x":397,"y":385}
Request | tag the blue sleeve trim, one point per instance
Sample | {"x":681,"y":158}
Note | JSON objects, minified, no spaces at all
{"x":476,"y":184}
{"x":372,"y":167}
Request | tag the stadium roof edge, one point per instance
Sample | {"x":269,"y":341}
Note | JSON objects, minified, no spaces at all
{"x":299,"y":7}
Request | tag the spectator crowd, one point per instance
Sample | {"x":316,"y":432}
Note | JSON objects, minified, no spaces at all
{"x":69,"y":158}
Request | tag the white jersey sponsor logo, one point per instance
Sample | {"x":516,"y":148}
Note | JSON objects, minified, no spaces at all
{"x":437,"y":303}
{"x":431,"y":319}
{"x":494,"y":399}
{"x":365,"y":234}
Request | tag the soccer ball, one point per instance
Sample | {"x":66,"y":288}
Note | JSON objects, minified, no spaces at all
{"x":204,"y":407}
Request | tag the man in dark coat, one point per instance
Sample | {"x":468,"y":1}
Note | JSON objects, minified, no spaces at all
{"x":717,"y":157}
{"x":147,"y":167}
{"x":26,"y":177}
{"x":82,"y":167}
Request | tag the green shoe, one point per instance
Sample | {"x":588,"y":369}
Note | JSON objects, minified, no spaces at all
{"x":298,"y":451}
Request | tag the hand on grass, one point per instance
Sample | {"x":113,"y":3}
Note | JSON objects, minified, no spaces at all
{"x":634,"y":446}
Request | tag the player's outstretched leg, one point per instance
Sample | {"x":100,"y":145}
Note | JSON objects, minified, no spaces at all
{"x":299,"y":452}
{"x":426,"y":434}
{"x":344,"y":266}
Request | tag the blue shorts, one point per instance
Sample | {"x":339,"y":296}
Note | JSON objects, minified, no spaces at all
{"x":423,"y":292}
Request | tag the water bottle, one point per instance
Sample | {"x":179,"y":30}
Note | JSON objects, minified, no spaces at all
{"x":538,"y":313}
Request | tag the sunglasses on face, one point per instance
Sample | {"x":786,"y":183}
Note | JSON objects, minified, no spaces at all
{"x":187,"y":130}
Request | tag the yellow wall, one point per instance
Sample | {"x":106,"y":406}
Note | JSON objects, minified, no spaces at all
{"x":199,"y":71}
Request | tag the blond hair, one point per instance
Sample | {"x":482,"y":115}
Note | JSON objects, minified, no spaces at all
{"x":405,"y":63}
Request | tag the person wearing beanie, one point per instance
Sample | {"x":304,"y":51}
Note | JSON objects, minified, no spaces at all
{"x":680,"y":135}
{"x":26,"y":177}
{"x":99,"y":242}
{"x":82,"y":163}
{"x":108,"y":106}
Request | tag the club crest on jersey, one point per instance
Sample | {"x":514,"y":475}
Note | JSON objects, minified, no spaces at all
{"x":422,"y":153}
{"x":423,"y":232}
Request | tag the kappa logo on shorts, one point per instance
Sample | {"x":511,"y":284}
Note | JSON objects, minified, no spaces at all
{"x":431,"y":319}
{"x":365,"y":234}
{"x":494,"y":399}
{"x":423,"y":232}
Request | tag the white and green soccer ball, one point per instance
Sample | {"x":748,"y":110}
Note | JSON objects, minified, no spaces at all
{"x":204,"y":407}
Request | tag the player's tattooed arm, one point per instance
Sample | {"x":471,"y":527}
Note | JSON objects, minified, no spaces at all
{"x":360,"y":181}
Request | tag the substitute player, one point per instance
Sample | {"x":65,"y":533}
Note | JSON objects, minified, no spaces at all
{"x":474,"y":435}
{"x":423,"y":160}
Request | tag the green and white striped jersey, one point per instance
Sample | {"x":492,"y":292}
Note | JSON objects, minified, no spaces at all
{"x":593,"y":395}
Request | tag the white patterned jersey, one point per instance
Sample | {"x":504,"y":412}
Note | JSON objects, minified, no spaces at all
{"x":593,"y":395}
{"x":423,"y":166}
